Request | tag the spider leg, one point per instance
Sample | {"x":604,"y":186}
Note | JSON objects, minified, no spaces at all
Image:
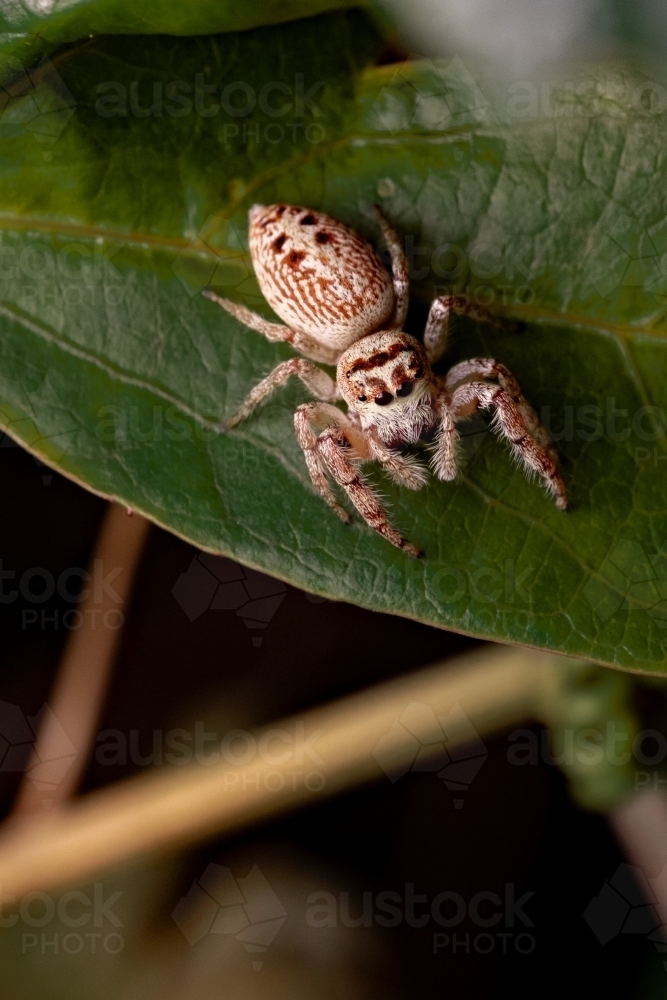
{"x":436,"y":331}
{"x":510,"y":422}
{"x":445,"y":452}
{"x":324,"y":414}
{"x":272,"y":331}
{"x":489,"y":368}
{"x":317,"y":381}
{"x":334,"y":447}
{"x":275,"y":331}
{"x":399,"y":269}
{"x":404,"y":470}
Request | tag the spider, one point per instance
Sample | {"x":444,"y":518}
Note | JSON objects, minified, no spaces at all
{"x":341,"y":307}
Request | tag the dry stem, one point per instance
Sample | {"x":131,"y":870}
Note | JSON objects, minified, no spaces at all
{"x":494,"y":687}
{"x":68,"y":726}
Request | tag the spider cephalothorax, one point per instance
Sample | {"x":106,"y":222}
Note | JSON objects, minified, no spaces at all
{"x":342,"y":307}
{"x":386,"y":379}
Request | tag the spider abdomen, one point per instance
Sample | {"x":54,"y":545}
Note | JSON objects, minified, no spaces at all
{"x":319,"y":276}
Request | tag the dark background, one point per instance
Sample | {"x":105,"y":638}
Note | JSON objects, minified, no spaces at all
{"x":517,"y":824}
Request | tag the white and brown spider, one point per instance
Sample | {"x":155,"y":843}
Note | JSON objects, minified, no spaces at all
{"x":342,"y":308}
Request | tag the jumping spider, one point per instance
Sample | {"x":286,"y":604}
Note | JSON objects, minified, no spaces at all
{"x":342,"y":308}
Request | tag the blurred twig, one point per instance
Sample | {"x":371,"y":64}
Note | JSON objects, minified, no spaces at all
{"x":640,"y":825}
{"x":67,"y":730}
{"x":494,"y":687}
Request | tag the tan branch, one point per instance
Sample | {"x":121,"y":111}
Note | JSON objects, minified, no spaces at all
{"x":494,"y":687}
{"x":68,"y":726}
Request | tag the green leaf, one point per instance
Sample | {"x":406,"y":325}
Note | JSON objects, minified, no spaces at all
{"x":116,"y":371}
{"x":28,"y":31}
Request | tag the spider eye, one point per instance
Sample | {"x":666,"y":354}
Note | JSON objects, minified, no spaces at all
{"x":362,"y":399}
{"x":405,"y":389}
{"x":383,"y":398}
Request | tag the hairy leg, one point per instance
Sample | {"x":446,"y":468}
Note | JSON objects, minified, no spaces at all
{"x":511,"y":424}
{"x":360,"y":447}
{"x":489,"y":368}
{"x":444,"y":461}
{"x":317,"y":381}
{"x":399,"y":269}
{"x":275,"y":331}
{"x":306,"y":418}
{"x":436,"y":331}
{"x":404,"y":470}
{"x":334,"y":449}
